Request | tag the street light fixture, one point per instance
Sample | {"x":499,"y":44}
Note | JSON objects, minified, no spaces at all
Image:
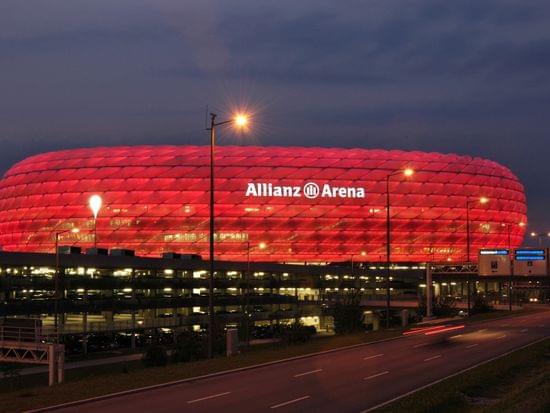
{"x":539,"y":236}
{"x":240,"y":121}
{"x":407,"y":172}
{"x":469,"y":201}
{"x":56,"y":280}
{"x":95,"y":203}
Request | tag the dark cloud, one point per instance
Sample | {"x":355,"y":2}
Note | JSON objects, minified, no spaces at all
{"x":471,"y":77}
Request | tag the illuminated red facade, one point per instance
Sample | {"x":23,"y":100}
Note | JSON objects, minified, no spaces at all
{"x":305,"y":204}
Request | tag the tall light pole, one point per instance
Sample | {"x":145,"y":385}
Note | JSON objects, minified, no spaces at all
{"x":539,"y":236}
{"x":95,"y":203}
{"x":240,"y":121}
{"x":363,"y":254}
{"x":509,"y":230}
{"x":56,"y":281}
{"x":469,"y":201}
{"x":407,"y":173}
{"x":260,"y":246}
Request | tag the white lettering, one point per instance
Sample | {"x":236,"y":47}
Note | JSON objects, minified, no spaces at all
{"x":310,"y":190}
{"x":251,"y":190}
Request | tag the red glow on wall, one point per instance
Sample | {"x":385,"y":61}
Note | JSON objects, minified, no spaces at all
{"x":155,"y":199}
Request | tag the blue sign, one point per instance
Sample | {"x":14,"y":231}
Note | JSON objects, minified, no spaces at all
{"x":530,"y":255}
{"x":493,"y":252}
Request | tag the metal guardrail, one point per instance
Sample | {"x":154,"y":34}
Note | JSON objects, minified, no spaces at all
{"x":22,"y":334}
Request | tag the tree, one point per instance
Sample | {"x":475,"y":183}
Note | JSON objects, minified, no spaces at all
{"x":348,"y":314}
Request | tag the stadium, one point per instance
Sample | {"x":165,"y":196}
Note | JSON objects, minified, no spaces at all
{"x":314,"y":205}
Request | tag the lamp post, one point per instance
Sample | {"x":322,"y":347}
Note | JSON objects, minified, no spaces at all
{"x":363,"y":254}
{"x":260,"y":246}
{"x":56,"y":281}
{"x":469,"y":201}
{"x":239,"y":121}
{"x":95,"y":203}
{"x":407,"y":173}
{"x":509,"y":230}
{"x":539,"y":236}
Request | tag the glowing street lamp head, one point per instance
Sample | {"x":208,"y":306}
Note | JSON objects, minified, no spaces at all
{"x":408,"y":172}
{"x":363,"y":253}
{"x":240,"y":120}
{"x":262,"y":245}
{"x":483,"y":200}
{"x":95,"y":203}
{"x":534,"y":234}
{"x":75,"y":230}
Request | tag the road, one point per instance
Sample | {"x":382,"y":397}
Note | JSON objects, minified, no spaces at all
{"x":352,"y":380}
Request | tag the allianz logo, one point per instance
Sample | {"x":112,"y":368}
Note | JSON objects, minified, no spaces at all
{"x":309,"y":190}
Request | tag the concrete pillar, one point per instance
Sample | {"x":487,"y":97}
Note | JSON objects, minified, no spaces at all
{"x":429,"y":290}
{"x":109,"y":319}
{"x":52,"y":365}
{"x":404,"y":317}
{"x":60,"y":363}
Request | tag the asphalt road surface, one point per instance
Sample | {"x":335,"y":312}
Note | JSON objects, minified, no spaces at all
{"x":351,"y":380}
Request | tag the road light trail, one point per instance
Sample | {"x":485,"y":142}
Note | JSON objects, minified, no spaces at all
{"x":289,"y":402}
{"x":472,"y":345}
{"x":432,"y":358}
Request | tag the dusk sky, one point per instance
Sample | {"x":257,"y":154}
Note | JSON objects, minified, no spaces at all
{"x":468,"y":77}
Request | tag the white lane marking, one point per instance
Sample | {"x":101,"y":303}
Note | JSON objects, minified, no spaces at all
{"x":523,"y":331}
{"x":376,"y":375}
{"x":458,"y":335}
{"x":472,"y":345}
{"x":502,"y":336}
{"x":308,"y":372}
{"x":481,"y":331}
{"x":208,"y":397}
{"x":420,"y":345}
{"x":432,"y":358}
{"x":289,"y":402}
{"x":373,"y":357}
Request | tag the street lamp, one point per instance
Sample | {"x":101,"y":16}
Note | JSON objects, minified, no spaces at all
{"x":481,"y":200}
{"x":407,"y":172}
{"x":56,"y":280}
{"x":95,"y":203}
{"x":260,"y":246}
{"x":539,"y":236}
{"x":240,"y":121}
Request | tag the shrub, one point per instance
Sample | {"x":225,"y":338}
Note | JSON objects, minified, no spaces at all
{"x":297,"y":333}
{"x":348,"y":314}
{"x":481,"y":306}
{"x":188,"y":347}
{"x":155,"y":356}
